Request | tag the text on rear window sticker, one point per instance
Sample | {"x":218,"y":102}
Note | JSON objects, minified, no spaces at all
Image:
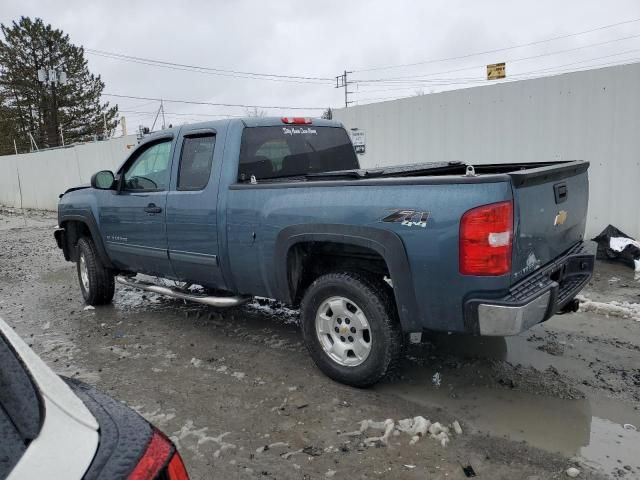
{"x":299,"y":131}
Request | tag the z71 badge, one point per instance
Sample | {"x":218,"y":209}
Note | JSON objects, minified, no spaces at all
{"x":409,"y":218}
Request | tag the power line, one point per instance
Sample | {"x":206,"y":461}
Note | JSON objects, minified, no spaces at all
{"x":468,"y":80}
{"x":194,"y":102}
{"x":631,"y":61}
{"x":460,"y":57}
{"x":210,"y":70}
{"x":418,"y":78}
{"x":563,"y":67}
{"x":185,"y":114}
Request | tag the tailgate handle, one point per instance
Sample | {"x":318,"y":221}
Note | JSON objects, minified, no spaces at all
{"x":561,"y":192}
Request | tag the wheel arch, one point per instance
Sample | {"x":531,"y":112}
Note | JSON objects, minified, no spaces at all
{"x":77,"y":226}
{"x":386,"y":244}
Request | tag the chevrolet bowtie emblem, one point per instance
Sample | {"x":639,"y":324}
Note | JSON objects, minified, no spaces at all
{"x":561,"y":217}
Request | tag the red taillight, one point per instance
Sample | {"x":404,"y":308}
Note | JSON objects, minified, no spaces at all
{"x":296,"y":120}
{"x":176,"y":469}
{"x":486,"y":236}
{"x":158,"y":455}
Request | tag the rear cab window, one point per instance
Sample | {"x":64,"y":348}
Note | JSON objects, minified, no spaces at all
{"x":294,"y":151}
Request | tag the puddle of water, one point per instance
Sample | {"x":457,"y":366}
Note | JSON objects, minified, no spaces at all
{"x":611,"y":445}
{"x":591,"y":428}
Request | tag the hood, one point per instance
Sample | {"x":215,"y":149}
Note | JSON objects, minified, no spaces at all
{"x":73,"y":189}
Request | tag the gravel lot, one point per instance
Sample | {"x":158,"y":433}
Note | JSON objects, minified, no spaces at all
{"x":240,"y":396}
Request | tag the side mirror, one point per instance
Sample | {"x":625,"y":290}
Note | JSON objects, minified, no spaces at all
{"x":103,"y":180}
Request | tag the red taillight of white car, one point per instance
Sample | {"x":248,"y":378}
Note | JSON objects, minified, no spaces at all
{"x":160,"y":454}
{"x":296,"y":120}
{"x":486,"y":237}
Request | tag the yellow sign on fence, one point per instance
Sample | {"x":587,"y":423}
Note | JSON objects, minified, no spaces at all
{"x":496,"y":71}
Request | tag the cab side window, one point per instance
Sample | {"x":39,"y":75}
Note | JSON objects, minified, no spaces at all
{"x":150,"y":170}
{"x":196,"y":160}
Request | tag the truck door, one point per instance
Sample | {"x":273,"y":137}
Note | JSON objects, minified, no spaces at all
{"x":132,"y":219}
{"x":192,"y":227}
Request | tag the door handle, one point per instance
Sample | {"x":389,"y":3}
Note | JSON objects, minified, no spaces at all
{"x":151,"y":208}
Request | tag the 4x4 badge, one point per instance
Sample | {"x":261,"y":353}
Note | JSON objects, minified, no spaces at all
{"x":409,"y":218}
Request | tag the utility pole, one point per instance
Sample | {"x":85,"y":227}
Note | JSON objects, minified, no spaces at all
{"x":15,"y":147}
{"x":160,"y":110}
{"x":153,"y":125}
{"x":343,"y":82}
{"x":104,"y":121}
{"x":61,"y":135}
{"x":51,"y":78}
{"x":123,"y":123}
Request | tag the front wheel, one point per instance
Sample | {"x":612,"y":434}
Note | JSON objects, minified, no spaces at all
{"x":351,"y":329}
{"x":96,"y":281}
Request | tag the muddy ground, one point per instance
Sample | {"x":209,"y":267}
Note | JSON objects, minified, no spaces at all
{"x":226,"y":384}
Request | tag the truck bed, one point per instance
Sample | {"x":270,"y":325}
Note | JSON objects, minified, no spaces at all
{"x":519,"y":171}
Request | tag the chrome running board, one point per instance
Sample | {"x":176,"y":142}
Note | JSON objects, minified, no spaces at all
{"x":223,"y":302}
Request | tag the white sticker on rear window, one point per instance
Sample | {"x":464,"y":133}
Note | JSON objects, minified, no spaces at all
{"x":299,"y":131}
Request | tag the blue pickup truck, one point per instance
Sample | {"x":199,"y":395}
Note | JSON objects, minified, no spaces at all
{"x":280,"y":208}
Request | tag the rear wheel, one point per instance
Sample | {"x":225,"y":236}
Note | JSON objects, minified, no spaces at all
{"x":96,"y":281}
{"x":350,"y":327}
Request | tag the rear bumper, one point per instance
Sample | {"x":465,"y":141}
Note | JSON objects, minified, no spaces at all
{"x":532,"y":300}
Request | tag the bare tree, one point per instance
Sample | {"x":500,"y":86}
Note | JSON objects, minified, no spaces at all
{"x":327,"y":114}
{"x":256,"y":112}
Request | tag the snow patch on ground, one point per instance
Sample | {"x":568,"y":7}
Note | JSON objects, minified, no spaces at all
{"x":275,"y":309}
{"x":193,"y":438}
{"x":157,"y":417}
{"x":226,"y":371}
{"x":271,"y":446}
{"x":416,"y":428}
{"x":611,"y":309}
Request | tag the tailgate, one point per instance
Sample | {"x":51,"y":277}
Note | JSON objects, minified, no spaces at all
{"x":551,"y":211}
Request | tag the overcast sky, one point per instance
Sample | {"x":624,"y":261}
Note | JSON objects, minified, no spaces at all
{"x":321,"y":39}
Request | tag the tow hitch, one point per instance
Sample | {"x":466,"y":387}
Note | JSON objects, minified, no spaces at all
{"x":570,"y":307}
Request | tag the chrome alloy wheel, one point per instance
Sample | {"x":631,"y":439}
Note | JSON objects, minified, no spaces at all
{"x":343,"y":331}
{"x":84,"y":273}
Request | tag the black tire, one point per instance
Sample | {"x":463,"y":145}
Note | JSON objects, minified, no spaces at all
{"x":101,"y":284}
{"x":376,"y":301}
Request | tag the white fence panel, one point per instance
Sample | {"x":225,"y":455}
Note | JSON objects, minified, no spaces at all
{"x":42,"y":176}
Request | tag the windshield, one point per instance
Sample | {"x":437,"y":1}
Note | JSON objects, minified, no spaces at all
{"x":294,"y":150}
